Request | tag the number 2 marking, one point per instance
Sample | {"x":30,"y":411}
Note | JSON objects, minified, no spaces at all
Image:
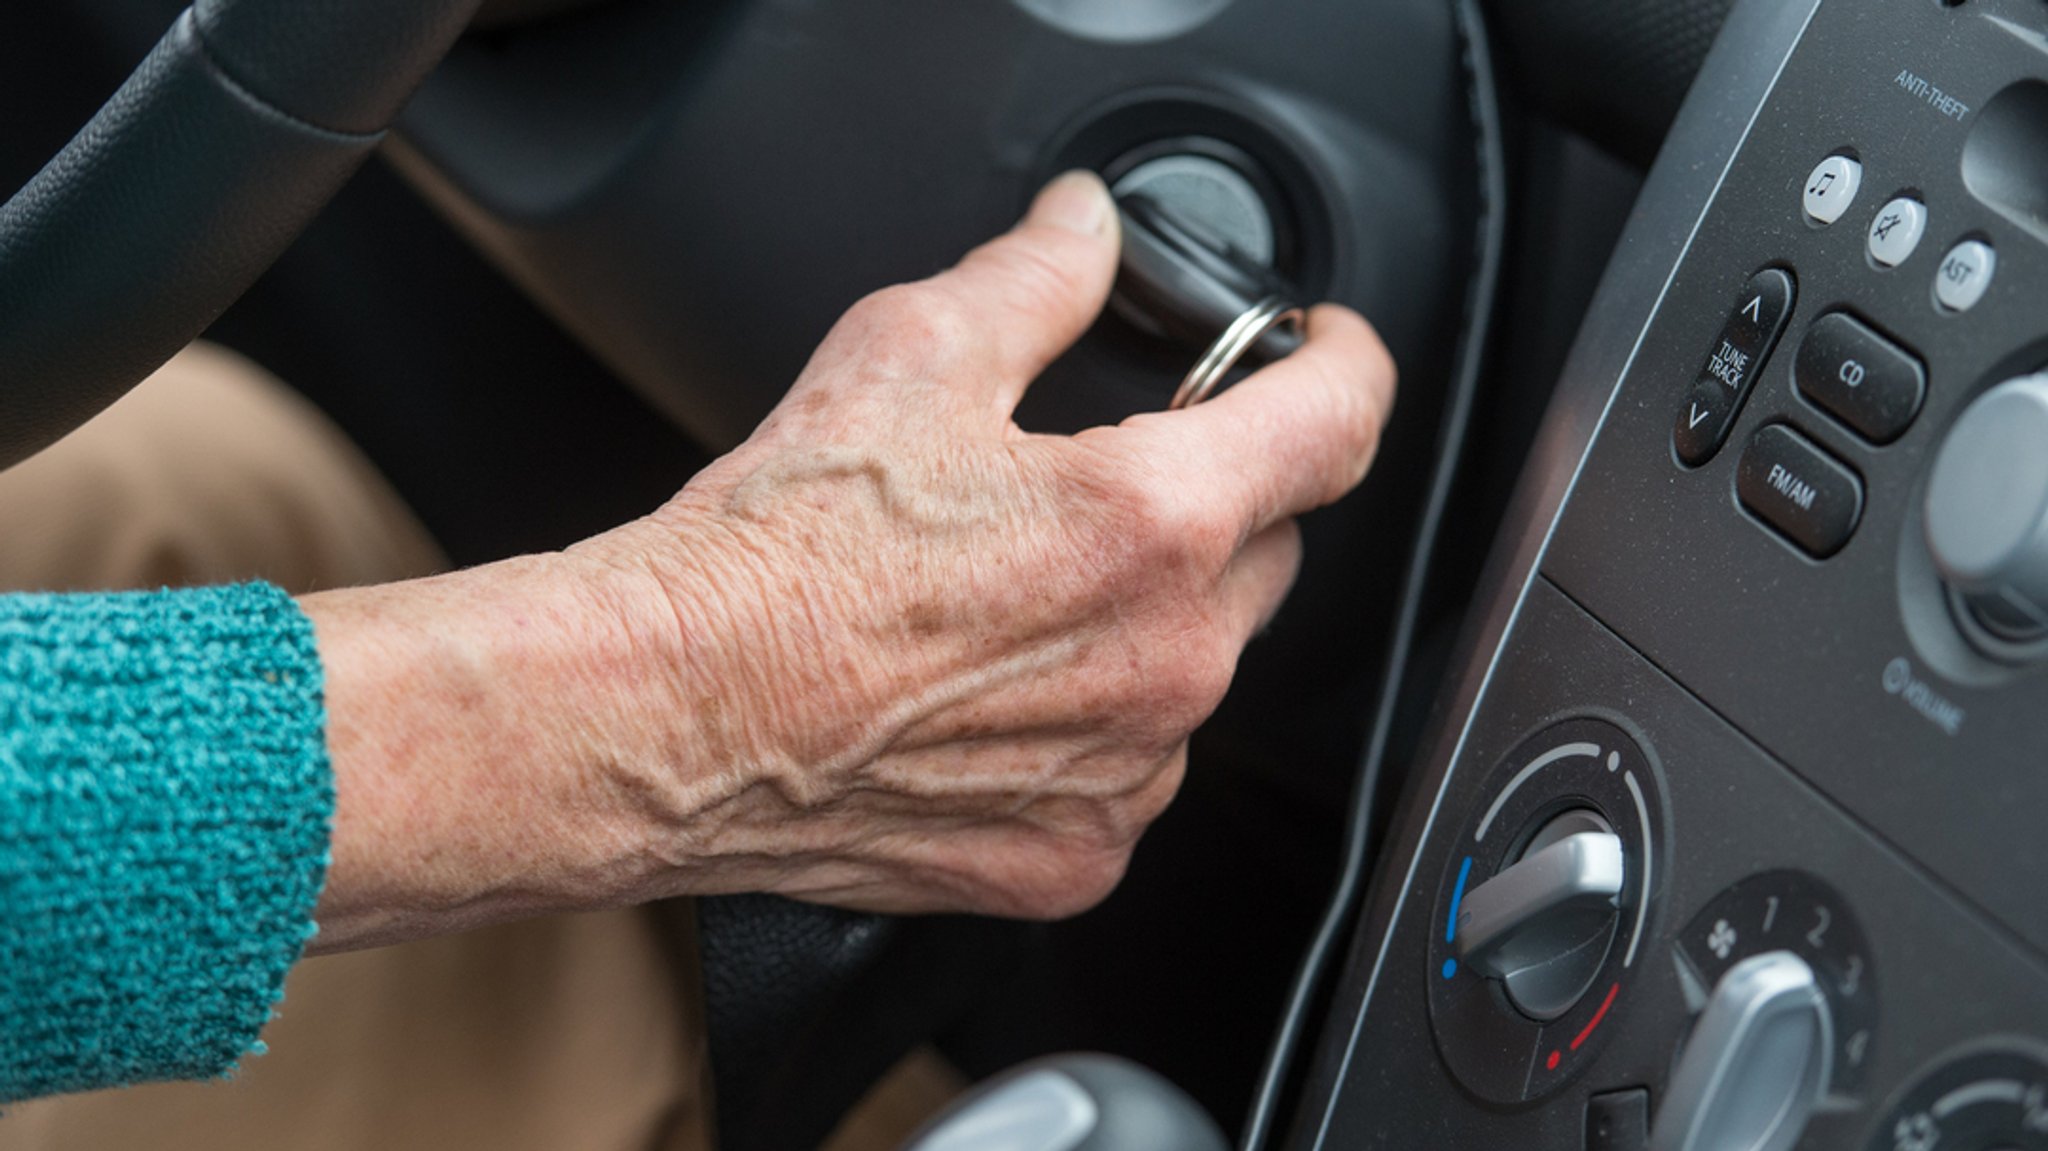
{"x":1820,"y":928}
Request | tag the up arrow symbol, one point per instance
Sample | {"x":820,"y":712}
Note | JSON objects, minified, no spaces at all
{"x":1754,"y":309}
{"x":1697,"y":417}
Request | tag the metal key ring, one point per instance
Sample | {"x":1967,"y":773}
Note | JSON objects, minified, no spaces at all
{"x":1240,"y":337}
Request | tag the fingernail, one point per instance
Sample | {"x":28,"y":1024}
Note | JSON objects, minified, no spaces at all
{"x":1077,"y":201}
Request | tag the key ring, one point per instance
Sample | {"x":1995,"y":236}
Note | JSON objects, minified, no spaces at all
{"x":1240,"y":337}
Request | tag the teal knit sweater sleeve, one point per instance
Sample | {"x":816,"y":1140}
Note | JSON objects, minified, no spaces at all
{"x":164,"y":809}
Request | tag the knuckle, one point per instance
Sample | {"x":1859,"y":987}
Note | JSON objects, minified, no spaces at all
{"x":1194,"y":681}
{"x":1168,"y":528}
{"x":1073,"y":881}
{"x":1097,"y":876}
{"x":1175,"y":684}
{"x":907,"y":331}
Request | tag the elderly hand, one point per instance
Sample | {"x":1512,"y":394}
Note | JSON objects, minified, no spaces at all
{"x":891,"y":653}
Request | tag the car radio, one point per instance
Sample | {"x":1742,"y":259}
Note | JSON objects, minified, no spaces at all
{"x":1731,"y":838}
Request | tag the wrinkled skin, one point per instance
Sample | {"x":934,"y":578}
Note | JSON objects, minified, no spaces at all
{"x":891,"y":653}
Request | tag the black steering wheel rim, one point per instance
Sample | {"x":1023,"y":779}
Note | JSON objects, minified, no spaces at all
{"x":242,"y":123}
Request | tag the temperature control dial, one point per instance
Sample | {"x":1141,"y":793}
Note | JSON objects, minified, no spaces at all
{"x":1993,"y":1098}
{"x":1541,"y":915}
{"x":1543,"y":925}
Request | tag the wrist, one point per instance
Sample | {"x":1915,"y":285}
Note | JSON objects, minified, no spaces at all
{"x":500,"y":739}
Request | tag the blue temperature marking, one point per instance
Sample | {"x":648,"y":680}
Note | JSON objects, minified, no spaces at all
{"x":1450,"y":968}
{"x":1457,"y":897}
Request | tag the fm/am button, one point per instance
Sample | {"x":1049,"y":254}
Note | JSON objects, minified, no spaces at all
{"x":1799,"y":490}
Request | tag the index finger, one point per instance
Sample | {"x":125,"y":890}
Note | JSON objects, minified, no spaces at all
{"x":1293,"y":436}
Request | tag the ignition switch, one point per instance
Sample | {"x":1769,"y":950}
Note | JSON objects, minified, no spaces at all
{"x":1200,"y":246}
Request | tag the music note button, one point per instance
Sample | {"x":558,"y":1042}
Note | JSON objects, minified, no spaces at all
{"x":1831,"y":188}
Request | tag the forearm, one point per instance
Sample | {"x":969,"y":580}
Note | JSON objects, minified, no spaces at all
{"x":494,"y":747}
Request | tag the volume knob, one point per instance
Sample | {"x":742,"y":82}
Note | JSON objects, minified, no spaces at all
{"x":1987,"y":512}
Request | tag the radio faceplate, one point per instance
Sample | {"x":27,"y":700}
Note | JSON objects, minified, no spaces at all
{"x":1719,"y":551}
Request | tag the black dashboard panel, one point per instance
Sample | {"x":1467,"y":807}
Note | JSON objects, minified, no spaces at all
{"x":1827,"y":929}
{"x":663,"y":177}
{"x":1932,"y":978}
{"x":1811,"y":658}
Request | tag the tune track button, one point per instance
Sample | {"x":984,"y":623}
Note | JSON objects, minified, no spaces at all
{"x":1731,"y":366}
{"x":1831,"y":187}
{"x":1859,"y":377}
{"x":1801,"y":491}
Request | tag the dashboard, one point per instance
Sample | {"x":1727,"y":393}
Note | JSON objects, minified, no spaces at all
{"x":1729,"y":838}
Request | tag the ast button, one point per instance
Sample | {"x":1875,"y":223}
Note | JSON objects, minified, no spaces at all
{"x":1964,"y":275}
{"x":1859,"y":377}
{"x":1731,"y":366}
{"x":1800,"y":490}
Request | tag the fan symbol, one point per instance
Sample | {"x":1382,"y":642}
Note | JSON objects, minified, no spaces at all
{"x":1722,"y":940}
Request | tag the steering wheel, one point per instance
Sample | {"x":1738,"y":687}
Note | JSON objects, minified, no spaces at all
{"x":223,"y":145}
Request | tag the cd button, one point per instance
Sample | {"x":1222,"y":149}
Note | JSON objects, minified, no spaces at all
{"x":1859,"y":377}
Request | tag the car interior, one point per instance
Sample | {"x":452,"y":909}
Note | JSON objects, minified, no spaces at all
{"x":1647,"y":757}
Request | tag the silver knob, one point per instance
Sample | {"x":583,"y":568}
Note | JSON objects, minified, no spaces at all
{"x":1987,"y":508}
{"x":1073,"y":1103}
{"x":1758,"y":1060}
{"x":1542,"y":926}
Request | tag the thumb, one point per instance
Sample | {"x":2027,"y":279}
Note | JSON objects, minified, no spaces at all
{"x":1035,"y":289}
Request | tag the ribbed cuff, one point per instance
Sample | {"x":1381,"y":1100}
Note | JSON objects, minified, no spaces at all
{"x":165,"y":800}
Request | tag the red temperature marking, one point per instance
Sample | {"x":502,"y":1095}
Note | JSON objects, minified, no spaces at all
{"x":1550,"y":1064}
{"x":1597,"y":1016}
